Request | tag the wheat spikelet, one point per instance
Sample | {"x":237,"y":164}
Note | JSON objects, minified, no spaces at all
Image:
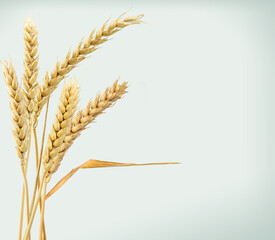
{"x":30,"y":64}
{"x":18,"y":110}
{"x":61,"y":126}
{"x":79,"y":54}
{"x":92,"y":110}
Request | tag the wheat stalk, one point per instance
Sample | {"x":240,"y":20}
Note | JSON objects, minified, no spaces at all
{"x":29,"y":79}
{"x":79,"y":54}
{"x":20,"y":128}
{"x":27,"y":102}
{"x":92,"y":110}
{"x":30,"y":64}
{"x":61,"y":126}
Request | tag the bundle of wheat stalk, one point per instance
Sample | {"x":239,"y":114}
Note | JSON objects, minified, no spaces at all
{"x":27,"y":101}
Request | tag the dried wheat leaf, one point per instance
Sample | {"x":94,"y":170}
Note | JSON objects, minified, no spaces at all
{"x":97,"y":164}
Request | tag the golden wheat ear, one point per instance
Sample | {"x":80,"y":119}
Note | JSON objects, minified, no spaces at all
{"x":30,"y":64}
{"x":93,"y":109}
{"x":98,"y":164}
{"x":18,"y":110}
{"x":83,"y":48}
{"x":66,"y":108}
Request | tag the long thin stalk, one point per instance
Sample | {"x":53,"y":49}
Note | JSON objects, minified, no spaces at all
{"x":28,"y":153}
{"x":27,"y":193}
{"x":26,"y":160}
{"x":21,"y":213}
{"x":34,"y":209}
{"x":37,"y":180}
{"x":43,"y":135}
{"x":36,"y":146}
{"x":37,"y":159}
{"x":40,"y":158}
{"x":42,"y":212}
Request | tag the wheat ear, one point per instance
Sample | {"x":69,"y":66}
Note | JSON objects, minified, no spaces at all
{"x":92,"y":110}
{"x":18,"y":110}
{"x":66,"y":109}
{"x":30,"y":64}
{"x":79,"y":54}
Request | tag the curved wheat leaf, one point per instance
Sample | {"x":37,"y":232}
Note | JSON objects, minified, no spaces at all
{"x":98,"y":164}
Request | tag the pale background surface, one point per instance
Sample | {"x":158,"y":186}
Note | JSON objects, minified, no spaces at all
{"x":202,"y":92}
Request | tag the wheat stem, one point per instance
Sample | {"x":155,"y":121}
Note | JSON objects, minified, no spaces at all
{"x":43,"y":135}
{"x":21,"y":213}
{"x":20,"y":124}
{"x":36,"y":146}
{"x":37,"y":159}
{"x":27,"y":231}
{"x":40,"y":156}
{"x":37,"y":169}
{"x":24,"y":191}
{"x":42,"y":212}
{"x":28,"y":153}
{"x":25,"y":183}
{"x":37,"y":179}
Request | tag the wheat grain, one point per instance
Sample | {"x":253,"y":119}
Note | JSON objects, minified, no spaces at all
{"x":30,"y":64}
{"x":92,"y":110}
{"x":18,"y":110}
{"x":71,"y":60}
{"x":67,"y":106}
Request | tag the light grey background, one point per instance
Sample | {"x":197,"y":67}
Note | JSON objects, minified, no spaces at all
{"x":201,"y":92}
